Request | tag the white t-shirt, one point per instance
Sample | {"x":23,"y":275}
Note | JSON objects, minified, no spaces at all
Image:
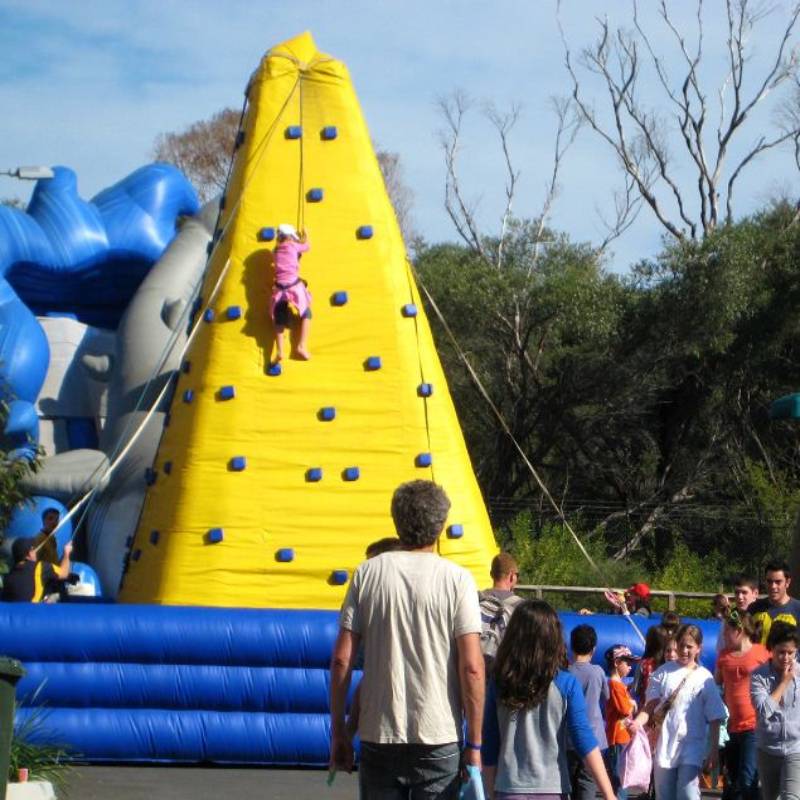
{"x":684,"y":734}
{"x":409,"y":608}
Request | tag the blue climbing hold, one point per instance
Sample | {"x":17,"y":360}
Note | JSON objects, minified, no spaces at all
{"x":167,"y":467}
{"x":455,"y":531}
{"x":227,"y":393}
{"x":136,"y":554}
{"x":423,"y":460}
{"x":314,"y":474}
{"x":425,"y":389}
{"x":215,"y":535}
{"x":314,"y":195}
{"x":351,"y":474}
{"x":274,"y":369}
{"x":284,"y":555}
{"x":339,"y":298}
{"x":329,"y":133}
{"x":150,"y":476}
{"x":233,"y":312}
{"x":239,"y":139}
{"x":238,"y":463}
{"x":339,"y":577}
{"x":409,"y":310}
{"x":186,"y":367}
{"x":154,"y":537}
{"x":373,"y":363}
{"x":364,"y":232}
{"x":294,"y":132}
{"x":327,"y":413}
{"x":128,"y":541}
{"x":266,"y":234}
{"x":208,"y":315}
{"x":188,"y":396}
{"x":167,"y":419}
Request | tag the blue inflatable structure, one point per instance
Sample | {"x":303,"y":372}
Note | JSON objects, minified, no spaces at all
{"x":180,"y":684}
{"x":65,"y":255}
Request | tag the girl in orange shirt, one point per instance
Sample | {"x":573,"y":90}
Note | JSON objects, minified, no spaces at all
{"x":619,"y":708}
{"x":742,"y":654}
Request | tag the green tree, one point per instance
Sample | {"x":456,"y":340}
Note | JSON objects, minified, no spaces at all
{"x":641,"y":402}
{"x":12,"y":474}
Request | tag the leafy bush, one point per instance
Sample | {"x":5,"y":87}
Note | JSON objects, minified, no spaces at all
{"x":45,"y":761}
{"x":550,"y":556}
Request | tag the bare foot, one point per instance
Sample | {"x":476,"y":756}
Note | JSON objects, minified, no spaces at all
{"x":303,"y":354}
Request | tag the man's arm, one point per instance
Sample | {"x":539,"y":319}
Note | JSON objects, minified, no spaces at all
{"x":63,"y":569}
{"x":344,"y":655}
{"x":473,"y":688}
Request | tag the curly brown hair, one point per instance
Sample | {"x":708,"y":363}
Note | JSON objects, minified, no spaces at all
{"x":530,"y":654}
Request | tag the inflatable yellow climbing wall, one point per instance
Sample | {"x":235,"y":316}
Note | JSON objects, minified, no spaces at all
{"x":270,"y":482}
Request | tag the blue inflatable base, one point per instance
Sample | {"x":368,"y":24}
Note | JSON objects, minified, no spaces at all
{"x":130,"y":683}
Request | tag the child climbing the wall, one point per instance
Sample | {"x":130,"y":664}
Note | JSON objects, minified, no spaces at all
{"x":289,"y":290}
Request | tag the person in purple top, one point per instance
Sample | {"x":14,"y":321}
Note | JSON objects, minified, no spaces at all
{"x":532,"y":705}
{"x":593,"y":682}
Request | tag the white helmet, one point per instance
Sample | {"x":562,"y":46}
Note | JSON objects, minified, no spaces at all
{"x":284,"y":229}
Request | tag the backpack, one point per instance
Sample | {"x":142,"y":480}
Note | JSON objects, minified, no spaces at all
{"x":495,"y":614}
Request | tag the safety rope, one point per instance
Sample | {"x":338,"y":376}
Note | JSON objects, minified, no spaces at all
{"x":301,"y":196}
{"x":501,"y":419}
{"x":121,"y":452}
{"x":412,"y":297}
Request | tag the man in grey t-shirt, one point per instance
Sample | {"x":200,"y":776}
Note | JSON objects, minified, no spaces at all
{"x":417,"y":615}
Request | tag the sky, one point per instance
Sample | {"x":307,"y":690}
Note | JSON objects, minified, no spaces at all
{"x":91,"y":84}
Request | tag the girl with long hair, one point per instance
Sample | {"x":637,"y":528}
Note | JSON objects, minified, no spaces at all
{"x":532,"y":702}
{"x":740,"y":656}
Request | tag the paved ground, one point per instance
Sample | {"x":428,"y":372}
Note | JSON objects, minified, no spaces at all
{"x":208,"y":783}
{"x":214,"y":783}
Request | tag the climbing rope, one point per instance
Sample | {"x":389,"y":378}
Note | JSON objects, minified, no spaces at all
{"x":501,"y":419}
{"x":410,"y":278}
{"x":301,"y":190}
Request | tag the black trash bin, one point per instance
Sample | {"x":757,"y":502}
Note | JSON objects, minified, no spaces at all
{"x":10,"y":673}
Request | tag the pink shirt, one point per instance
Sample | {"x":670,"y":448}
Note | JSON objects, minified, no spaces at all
{"x":287,"y":254}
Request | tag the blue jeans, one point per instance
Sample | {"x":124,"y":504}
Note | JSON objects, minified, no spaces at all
{"x":740,"y":763}
{"x":613,"y":755}
{"x":677,"y":783}
{"x":409,"y":771}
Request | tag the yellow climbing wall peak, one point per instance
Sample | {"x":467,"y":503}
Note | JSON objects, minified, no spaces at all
{"x":271,"y":481}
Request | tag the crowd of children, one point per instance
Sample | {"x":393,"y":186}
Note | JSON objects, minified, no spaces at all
{"x":557,"y":731}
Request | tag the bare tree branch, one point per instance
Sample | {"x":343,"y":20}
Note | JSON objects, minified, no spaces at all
{"x":503,"y":123}
{"x":638,"y":135}
{"x":453,"y":109}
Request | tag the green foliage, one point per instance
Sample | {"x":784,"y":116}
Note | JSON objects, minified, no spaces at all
{"x":44,"y":761}
{"x":689,"y":571}
{"x":549,"y":555}
{"x":12,"y":473}
{"x":642,"y":402}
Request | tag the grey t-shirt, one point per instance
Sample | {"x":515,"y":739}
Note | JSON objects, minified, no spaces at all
{"x":594,"y":684}
{"x":409,"y":608}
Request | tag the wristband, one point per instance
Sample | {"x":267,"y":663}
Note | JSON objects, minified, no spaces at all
{"x":472,"y":746}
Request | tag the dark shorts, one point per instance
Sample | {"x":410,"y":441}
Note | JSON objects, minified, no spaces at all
{"x":409,"y":771}
{"x":283,"y":314}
